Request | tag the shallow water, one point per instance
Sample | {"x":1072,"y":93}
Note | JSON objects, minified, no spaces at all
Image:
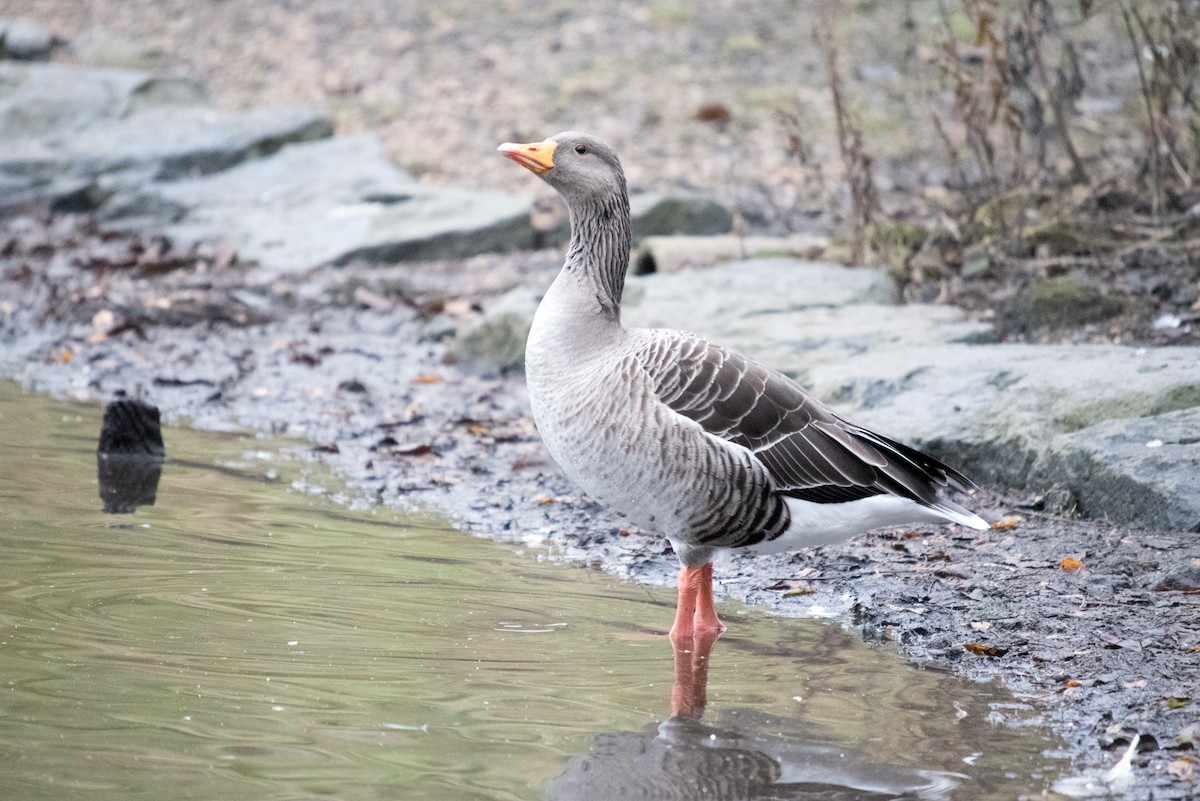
{"x":240,"y":639}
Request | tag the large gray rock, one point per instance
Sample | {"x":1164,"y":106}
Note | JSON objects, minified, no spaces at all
{"x":657,"y":214}
{"x":75,"y":135}
{"x":327,"y":202}
{"x":1034,"y":416}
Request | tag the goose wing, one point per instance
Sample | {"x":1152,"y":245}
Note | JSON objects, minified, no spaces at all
{"x":810,"y":452}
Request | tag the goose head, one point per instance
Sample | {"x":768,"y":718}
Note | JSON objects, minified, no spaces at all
{"x":582,"y":168}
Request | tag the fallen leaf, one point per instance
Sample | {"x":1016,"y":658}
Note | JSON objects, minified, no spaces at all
{"x":980,"y":625}
{"x":545,"y":501}
{"x":984,"y":650}
{"x":798,"y":591}
{"x":1183,"y":768}
{"x":1073,"y":683}
{"x":712,"y":112}
{"x":457,"y":307}
{"x":65,"y":355}
{"x":1178,"y":703}
{"x":1006,"y":523}
{"x":478,"y":430}
{"x":427,"y":379}
{"x":1071,"y":565}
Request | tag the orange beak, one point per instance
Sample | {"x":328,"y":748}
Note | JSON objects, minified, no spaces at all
{"x":536,"y":156}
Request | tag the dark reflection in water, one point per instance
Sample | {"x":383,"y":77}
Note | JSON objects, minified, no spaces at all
{"x":129,"y":456}
{"x":746,"y":755}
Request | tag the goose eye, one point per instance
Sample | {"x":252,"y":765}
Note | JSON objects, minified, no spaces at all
{"x":581,"y":149}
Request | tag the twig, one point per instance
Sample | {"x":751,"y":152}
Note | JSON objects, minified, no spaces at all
{"x":1078,"y":174}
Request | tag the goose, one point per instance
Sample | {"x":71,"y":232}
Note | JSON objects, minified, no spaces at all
{"x":687,"y":438}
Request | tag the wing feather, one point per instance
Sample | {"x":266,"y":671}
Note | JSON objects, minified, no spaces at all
{"x":810,"y":452}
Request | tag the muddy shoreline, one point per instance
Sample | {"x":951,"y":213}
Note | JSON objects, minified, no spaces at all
{"x":356,"y":362}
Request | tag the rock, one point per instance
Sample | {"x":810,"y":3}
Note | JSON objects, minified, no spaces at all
{"x":73,"y":136}
{"x":40,"y":100}
{"x":659,"y":214}
{"x":327,"y":202}
{"x":736,"y":289}
{"x":102,"y":47}
{"x":24,"y":40}
{"x":1057,"y":303}
{"x":1141,"y":470}
{"x":495,"y":344}
{"x":654,"y":214}
{"x":665,"y":254}
{"x":813,"y":314}
{"x":1029,"y":416}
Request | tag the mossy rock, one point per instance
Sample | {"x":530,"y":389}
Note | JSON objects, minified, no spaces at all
{"x":1177,"y":398}
{"x":1062,"y":237}
{"x":1059,"y":303}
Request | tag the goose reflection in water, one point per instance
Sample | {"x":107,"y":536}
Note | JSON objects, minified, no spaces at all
{"x":746,"y":755}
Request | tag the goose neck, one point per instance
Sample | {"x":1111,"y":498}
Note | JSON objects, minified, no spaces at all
{"x":600,"y":244}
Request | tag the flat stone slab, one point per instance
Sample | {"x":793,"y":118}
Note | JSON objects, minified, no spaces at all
{"x":1035,"y":416}
{"x":331,"y":201}
{"x":792,"y":314}
{"x":74,"y":136}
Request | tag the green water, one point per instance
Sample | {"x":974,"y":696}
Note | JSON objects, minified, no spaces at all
{"x":243,"y":640}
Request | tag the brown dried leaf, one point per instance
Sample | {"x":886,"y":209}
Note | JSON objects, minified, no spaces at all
{"x":984,"y":650}
{"x":1183,"y":768}
{"x":427,"y":379}
{"x":798,"y":591}
{"x":1072,"y":565}
{"x":1006,"y":524}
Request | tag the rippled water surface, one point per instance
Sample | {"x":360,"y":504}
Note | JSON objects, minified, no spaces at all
{"x":242,"y":640}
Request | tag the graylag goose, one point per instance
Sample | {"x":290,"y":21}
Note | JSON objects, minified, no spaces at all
{"x":684,"y":437}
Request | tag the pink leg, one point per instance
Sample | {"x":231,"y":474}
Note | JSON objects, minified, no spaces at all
{"x":685,"y":610}
{"x":694,"y":611}
{"x":705,"y":619}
